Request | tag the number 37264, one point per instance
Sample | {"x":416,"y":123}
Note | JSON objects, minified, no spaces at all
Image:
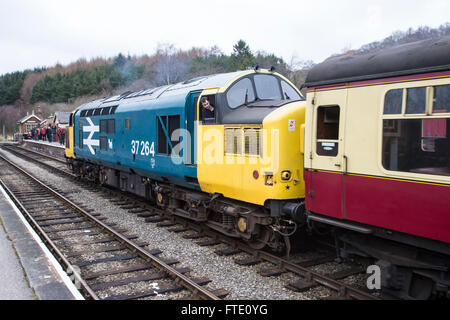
{"x":144,"y":148}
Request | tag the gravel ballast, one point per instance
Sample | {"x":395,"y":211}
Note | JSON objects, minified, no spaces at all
{"x":241,"y":281}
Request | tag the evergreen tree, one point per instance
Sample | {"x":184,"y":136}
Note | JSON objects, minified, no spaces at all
{"x":242,"y":57}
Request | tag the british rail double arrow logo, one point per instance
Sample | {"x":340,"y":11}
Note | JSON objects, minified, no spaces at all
{"x":89,"y":141}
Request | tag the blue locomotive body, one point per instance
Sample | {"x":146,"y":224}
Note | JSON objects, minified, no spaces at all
{"x":135,"y":137}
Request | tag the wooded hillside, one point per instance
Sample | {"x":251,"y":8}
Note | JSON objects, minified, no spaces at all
{"x":65,"y":87}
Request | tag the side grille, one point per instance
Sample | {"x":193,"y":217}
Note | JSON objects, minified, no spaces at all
{"x":233,"y":141}
{"x":252,"y":140}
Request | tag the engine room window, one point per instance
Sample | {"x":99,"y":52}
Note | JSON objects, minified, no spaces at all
{"x":166,"y":126}
{"x":113,"y":110}
{"x":267,"y":87}
{"x":393,"y":101}
{"x":105,"y":111}
{"x":416,"y":100}
{"x":288,"y":92}
{"x":111,"y":126}
{"x":103,"y":126}
{"x":327,"y":131}
{"x":103,"y":145}
{"x":162,"y":142}
{"x":417,"y":145}
{"x":240,"y":93}
{"x":174,"y":124}
{"x":441,"y":99}
{"x":127,"y":124}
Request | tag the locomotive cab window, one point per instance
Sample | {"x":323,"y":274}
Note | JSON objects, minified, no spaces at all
{"x":288,"y":92}
{"x":267,"y":87}
{"x":208,"y":111}
{"x":241,"y":93}
{"x":327,"y":131}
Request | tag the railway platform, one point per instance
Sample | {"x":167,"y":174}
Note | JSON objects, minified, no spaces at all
{"x":27,"y":270}
{"x":54,"y":149}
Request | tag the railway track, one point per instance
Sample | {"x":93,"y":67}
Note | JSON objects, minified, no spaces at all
{"x":304,"y":274}
{"x":82,"y":242}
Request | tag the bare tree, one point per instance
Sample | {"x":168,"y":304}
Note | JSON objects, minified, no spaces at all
{"x":170,"y":67}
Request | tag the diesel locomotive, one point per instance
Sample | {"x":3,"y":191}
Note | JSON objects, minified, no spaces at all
{"x":238,"y":169}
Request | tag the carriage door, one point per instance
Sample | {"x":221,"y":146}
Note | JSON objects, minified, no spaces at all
{"x":328,"y":161}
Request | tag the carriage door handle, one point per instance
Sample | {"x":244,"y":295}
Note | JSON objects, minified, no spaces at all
{"x":346,"y":164}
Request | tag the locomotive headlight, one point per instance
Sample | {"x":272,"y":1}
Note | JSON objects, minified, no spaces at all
{"x":286,"y":175}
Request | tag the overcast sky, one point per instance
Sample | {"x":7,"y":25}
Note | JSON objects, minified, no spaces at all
{"x":37,"y":33}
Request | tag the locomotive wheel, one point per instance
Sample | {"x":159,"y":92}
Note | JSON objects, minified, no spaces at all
{"x":262,"y":239}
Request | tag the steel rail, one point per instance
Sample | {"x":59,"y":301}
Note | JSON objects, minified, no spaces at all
{"x":61,"y":171}
{"x":308,"y":275}
{"x":158,"y":263}
{"x":49,"y":243}
{"x":54,"y":158}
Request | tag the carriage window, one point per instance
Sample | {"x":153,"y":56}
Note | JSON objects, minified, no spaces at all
{"x":417,"y":145}
{"x":288,"y":92}
{"x":327,"y":131}
{"x":267,"y":87}
{"x":416,"y":100}
{"x":441,"y":99}
{"x":328,"y":123}
{"x":393,"y":101}
{"x":240,"y":93}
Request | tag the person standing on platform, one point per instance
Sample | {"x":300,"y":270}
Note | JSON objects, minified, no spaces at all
{"x":53,"y":133}
{"x":49,"y":133}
